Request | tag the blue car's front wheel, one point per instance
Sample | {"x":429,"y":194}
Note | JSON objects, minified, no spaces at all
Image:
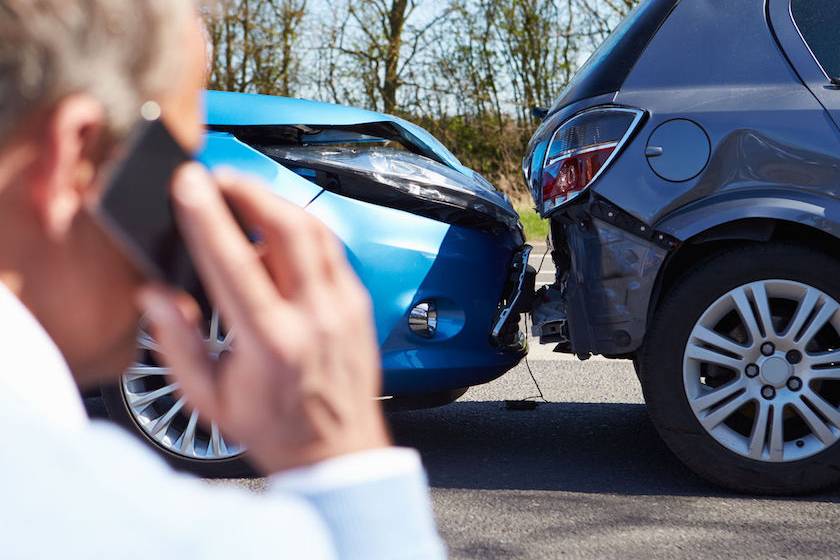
{"x":147,"y":402}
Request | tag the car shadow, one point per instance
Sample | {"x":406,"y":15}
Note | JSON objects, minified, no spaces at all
{"x":576,"y":447}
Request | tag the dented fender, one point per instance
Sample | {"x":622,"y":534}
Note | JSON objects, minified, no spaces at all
{"x":801,"y":207}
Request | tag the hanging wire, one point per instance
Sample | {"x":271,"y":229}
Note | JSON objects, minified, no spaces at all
{"x":543,"y":259}
{"x":539,"y":396}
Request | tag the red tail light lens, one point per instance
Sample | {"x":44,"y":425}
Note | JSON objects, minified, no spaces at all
{"x":581,"y":149}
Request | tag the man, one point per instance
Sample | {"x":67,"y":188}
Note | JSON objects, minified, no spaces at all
{"x":299,"y":388}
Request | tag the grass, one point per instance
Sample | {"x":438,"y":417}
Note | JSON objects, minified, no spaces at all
{"x":536,"y":229}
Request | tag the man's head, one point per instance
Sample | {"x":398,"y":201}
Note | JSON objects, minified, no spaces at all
{"x":73,"y":76}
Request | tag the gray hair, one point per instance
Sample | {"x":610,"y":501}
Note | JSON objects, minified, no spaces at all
{"x":123,"y":52}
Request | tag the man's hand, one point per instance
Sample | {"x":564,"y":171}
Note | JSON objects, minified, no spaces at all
{"x":300,"y":383}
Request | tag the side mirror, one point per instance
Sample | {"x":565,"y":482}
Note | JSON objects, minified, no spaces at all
{"x":539,"y":113}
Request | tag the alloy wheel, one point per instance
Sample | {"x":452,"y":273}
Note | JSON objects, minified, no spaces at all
{"x":154,"y":402}
{"x":761,"y":370}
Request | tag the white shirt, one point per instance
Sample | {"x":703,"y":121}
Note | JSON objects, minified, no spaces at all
{"x":75,"y":488}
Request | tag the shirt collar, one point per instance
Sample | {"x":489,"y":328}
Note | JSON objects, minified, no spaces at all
{"x":34,"y":373}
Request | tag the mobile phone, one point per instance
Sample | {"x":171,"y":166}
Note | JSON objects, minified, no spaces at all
{"x":136,"y":208}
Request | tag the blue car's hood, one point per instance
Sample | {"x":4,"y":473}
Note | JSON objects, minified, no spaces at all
{"x":240,"y":109}
{"x":233,"y":110}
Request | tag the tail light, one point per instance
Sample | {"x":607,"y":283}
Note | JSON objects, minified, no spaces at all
{"x":581,"y":149}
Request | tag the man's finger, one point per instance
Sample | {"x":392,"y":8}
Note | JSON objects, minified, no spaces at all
{"x":181,"y":347}
{"x":232,"y":270}
{"x":292,"y":249}
{"x":334,"y":259}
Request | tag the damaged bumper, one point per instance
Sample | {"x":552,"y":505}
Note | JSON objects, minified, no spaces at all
{"x":607,"y":268}
{"x":517,"y":299}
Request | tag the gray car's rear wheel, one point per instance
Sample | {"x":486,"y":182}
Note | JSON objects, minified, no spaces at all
{"x":741,"y":369}
{"x":147,"y":401}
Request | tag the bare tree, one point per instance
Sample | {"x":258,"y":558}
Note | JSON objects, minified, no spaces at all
{"x":529,"y":38}
{"x":255,"y":46}
{"x":378,"y":44}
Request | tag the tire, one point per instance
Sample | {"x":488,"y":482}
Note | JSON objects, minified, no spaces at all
{"x":146,"y":402}
{"x":118,"y":411}
{"x":682,"y":372}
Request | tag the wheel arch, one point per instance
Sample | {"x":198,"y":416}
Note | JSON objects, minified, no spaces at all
{"x":812,"y":221}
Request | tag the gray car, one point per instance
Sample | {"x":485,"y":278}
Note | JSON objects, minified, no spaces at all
{"x":691,"y":173}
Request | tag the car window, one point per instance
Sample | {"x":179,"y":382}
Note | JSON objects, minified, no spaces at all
{"x":818,"y":22}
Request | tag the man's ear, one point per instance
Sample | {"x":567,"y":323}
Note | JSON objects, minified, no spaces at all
{"x":65,"y":170}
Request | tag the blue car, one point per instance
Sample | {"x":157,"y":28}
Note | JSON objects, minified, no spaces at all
{"x":439,"y":248}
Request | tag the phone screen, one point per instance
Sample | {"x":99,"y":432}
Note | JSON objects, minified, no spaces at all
{"x":136,"y":207}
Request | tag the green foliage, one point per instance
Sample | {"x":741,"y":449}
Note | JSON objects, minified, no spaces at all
{"x":536,"y":229}
{"x":493,"y":149}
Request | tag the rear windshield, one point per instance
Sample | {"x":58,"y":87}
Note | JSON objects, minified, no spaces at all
{"x":818,"y":22}
{"x":610,"y":64}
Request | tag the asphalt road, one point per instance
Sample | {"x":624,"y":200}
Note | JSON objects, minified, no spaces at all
{"x":585,"y":476}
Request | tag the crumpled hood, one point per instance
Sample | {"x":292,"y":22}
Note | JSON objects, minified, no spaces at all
{"x":226,"y":109}
{"x":241,"y":109}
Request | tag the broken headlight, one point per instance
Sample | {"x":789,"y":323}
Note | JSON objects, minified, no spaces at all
{"x":400,"y":179}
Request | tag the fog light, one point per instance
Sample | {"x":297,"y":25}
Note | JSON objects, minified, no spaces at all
{"x":423,"y":319}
